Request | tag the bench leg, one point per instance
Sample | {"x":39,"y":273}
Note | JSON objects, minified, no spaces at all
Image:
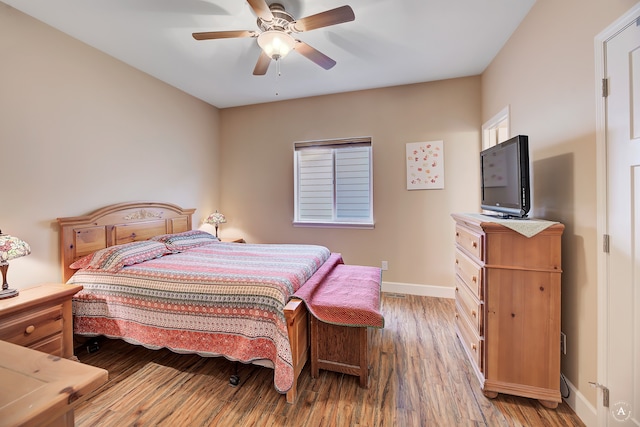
{"x":364,"y":358}
{"x":315,"y":343}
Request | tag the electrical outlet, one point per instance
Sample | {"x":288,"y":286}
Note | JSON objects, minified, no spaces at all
{"x":563,"y":343}
{"x":385,"y":265}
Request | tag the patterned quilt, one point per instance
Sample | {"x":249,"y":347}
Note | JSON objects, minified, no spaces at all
{"x":218,"y":299}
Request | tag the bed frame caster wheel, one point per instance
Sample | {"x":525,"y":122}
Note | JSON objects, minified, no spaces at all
{"x":234,"y":380}
{"x":92,"y":346}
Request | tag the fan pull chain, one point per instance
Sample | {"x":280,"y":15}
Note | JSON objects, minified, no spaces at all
{"x":278,"y":74}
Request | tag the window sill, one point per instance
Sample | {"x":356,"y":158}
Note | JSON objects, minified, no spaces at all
{"x":364,"y":225}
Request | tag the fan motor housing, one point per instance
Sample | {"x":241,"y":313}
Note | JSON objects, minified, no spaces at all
{"x":281,"y":19}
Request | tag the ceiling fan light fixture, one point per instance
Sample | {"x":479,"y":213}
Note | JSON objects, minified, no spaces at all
{"x":276,"y":44}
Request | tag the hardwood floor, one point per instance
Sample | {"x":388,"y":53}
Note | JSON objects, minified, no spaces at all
{"x":419,"y":377}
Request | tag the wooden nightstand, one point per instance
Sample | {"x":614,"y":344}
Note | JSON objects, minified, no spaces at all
{"x":232,"y":240}
{"x":40,"y":318}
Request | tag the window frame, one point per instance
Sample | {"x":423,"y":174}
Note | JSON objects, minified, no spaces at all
{"x":334,"y":144}
{"x":497,"y":129}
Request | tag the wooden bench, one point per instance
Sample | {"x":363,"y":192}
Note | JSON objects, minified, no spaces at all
{"x":343,"y":349}
{"x":342,"y":344}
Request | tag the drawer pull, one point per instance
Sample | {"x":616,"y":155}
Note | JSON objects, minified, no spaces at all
{"x":474,"y":279}
{"x":457,"y":289}
{"x":473,"y":313}
{"x":29,"y":329}
{"x":473,"y":347}
{"x":457,"y":261}
{"x":474,"y":244}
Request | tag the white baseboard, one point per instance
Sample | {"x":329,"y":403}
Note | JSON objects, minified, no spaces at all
{"x":581,"y":406}
{"x":422,"y":290}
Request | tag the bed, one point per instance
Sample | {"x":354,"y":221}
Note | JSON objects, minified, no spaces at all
{"x":151,"y":280}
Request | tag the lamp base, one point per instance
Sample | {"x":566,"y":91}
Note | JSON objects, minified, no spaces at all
{"x":8,"y":293}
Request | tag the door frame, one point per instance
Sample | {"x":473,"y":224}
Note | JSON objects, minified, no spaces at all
{"x":601,"y":200}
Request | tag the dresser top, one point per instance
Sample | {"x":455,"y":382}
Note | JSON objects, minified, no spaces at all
{"x":528,"y":227}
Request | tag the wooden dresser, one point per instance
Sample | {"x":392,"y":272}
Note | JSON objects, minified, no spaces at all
{"x":508,"y":306}
{"x":40,"y":318}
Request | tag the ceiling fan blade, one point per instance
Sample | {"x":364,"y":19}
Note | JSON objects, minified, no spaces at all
{"x":324,"y":19}
{"x":224,"y":34}
{"x":314,"y":55}
{"x":261,"y":9}
{"x":262,"y":65}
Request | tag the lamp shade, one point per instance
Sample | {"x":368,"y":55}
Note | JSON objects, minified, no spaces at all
{"x":276,"y":44}
{"x":215,"y":218}
{"x":12,"y":247}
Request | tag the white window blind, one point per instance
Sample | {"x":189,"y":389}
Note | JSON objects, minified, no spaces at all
{"x":333,"y":182}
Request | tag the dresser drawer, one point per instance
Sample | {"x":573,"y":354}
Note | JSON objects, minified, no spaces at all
{"x":469,"y":305}
{"x":470,"y":241}
{"x":470,"y":273}
{"x":28,"y":328}
{"x":470,"y":340}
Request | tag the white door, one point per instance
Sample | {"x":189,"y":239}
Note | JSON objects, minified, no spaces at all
{"x":621,"y":340}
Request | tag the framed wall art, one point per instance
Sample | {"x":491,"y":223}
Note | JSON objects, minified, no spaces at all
{"x":425,"y":165}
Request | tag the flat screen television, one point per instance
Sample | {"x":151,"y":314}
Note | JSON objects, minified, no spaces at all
{"x":505,"y":181}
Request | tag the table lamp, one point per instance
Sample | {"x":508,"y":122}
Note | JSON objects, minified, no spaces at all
{"x":215,"y":219}
{"x":10,"y":248}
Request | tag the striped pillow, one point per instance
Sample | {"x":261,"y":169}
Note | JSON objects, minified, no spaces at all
{"x":113,"y":258}
{"x":179,"y":242}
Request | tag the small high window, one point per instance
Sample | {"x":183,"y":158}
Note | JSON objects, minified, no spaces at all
{"x":496,"y":129}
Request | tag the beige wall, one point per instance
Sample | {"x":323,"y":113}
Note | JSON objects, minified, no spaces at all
{"x":546,"y":73}
{"x":69,"y":113}
{"x":413,"y":229}
{"x":79,"y":130}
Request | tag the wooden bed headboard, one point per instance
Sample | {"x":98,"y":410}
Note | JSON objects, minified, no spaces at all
{"x":117,"y":224}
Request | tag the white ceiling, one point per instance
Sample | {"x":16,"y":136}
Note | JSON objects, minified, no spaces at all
{"x":391,"y":42}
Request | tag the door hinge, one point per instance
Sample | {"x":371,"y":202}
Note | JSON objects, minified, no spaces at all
{"x":605,"y":88}
{"x":605,"y":243}
{"x":605,"y":393}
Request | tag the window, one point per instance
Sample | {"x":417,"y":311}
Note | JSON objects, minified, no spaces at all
{"x":333,"y":183}
{"x":496,"y":129}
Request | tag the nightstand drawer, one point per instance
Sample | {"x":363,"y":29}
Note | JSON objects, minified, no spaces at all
{"x":53,"y":345}
{"x":27,"y":328}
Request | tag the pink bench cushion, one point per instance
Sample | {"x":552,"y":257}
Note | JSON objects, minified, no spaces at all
{"x":347,"y":295}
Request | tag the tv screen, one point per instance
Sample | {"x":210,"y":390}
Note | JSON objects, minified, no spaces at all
{"x":505,"y":177}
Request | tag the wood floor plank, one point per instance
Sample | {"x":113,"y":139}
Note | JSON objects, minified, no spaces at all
{"x":325,"y":387}
{"x":419,"y":376}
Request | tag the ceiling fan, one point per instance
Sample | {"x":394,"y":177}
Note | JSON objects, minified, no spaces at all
{"x":277,"y":27}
